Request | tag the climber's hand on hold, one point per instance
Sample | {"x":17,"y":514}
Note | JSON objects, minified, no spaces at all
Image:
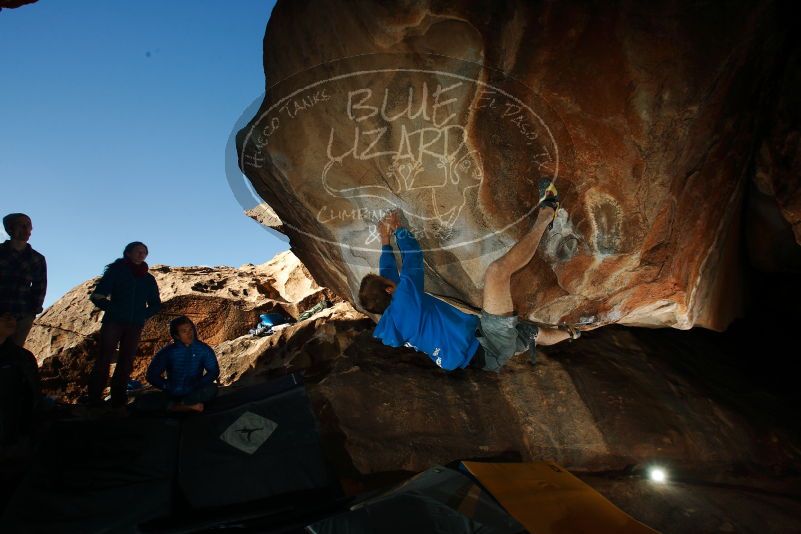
{"x":387,"y":226}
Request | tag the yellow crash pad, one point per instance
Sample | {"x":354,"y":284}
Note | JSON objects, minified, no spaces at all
{"x":547,"y":499}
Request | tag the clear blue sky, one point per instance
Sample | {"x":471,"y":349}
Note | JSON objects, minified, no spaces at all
{"x":114,"y":120}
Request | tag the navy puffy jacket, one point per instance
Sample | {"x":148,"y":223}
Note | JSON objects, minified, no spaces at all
{"x":133,"y":299}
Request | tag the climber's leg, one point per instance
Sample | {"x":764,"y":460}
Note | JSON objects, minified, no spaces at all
{"x":497,"y":297}
{"x":551,"y":336}
{"x":498,"y":330}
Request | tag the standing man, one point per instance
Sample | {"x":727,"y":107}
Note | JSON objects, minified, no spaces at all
{"x":23,"y":276}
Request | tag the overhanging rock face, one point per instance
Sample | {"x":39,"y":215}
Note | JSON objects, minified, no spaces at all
{"x":645,"y":116}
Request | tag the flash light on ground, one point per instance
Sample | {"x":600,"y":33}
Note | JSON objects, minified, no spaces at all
{"x":658,"y":475}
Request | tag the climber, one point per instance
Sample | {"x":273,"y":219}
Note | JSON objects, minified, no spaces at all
{"x":451,"y":338}
{"x":191,"y":367}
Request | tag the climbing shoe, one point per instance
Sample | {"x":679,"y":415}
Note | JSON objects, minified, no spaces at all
{"x":549,"y":196}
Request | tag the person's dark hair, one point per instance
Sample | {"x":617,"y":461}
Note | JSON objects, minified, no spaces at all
{"x":373,"y":294}
{"x":178,"y":321}
{"x":9,"y":219}
{"x":128,"y":248}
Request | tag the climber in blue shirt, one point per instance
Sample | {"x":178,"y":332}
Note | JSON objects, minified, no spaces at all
{"x":451,"y":338}
{"x":191,"y":368}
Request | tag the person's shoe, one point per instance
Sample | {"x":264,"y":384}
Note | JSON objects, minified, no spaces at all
{"x":574,"y":332}
{"x":548,"y":193}
{"x":549,"y":196}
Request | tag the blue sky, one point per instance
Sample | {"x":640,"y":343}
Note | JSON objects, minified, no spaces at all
{"x":114,"y":120}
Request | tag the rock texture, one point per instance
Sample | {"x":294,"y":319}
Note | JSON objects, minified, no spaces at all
{"x":647,"y":116}
{"x":224,"y":302}
{"x":309,"y":346}
{"x":612,"y":399}
{"x":779,"y":160}
{"x":606,"y":406}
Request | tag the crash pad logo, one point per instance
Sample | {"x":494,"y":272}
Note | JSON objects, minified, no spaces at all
{"x":352,"y":139}
{"x":249,"y":432}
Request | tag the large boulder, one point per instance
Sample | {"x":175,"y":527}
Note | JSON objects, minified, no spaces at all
{"x":646,"y":115}
{"x":773,"y":209}
{"x":614,"y":398}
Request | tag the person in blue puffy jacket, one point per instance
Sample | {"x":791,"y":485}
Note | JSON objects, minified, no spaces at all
{"x":190,"y":367}
{"x":451,"y":338}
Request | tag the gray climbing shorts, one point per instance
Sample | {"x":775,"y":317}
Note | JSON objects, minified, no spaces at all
{"x":501,"y":337}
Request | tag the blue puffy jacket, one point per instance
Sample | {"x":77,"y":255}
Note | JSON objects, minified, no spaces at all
{"x":418,"y":320}
{"x":184,"y":366}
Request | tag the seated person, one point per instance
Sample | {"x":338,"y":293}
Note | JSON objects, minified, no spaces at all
{"x":19,"y":383}
{"x":191,"y":368}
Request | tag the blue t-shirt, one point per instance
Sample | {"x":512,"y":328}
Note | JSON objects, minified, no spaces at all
{"x":418,"y":320}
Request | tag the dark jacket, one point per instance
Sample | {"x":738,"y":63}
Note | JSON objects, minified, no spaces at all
{"x":23,"y":280}
{"x":134,"y":300}
{"x":184,"y":366}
